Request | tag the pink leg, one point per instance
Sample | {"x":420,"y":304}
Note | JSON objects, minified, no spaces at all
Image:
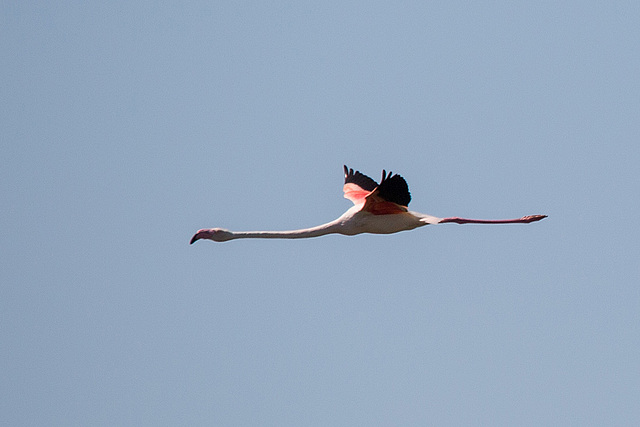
{"x":524,"y":219}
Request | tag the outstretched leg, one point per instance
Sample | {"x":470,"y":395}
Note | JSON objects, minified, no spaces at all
{"x":524,"y":219}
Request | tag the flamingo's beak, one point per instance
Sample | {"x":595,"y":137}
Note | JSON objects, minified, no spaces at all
{"x":199,"y":235}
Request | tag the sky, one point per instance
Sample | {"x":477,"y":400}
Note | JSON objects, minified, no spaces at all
{"x":127,"y":126}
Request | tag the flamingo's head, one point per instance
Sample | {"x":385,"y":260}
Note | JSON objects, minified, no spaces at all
{"x":215,"y":234}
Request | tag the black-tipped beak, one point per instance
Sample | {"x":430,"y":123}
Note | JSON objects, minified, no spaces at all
{"x":195,"y":237}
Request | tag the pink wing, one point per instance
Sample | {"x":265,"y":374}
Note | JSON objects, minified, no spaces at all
{"x":391,"y":196}
{"x":357,"y":186}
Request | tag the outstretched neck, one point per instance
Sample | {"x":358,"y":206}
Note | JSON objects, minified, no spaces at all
{"x":320,"y":230}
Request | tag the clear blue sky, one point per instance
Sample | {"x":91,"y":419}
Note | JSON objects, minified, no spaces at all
{"x":126,"y":126}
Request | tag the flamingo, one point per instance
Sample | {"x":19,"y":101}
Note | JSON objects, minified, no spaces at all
{"x":378,"y":209}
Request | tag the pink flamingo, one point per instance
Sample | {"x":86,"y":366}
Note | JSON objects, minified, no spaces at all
{"x":378,"y":209}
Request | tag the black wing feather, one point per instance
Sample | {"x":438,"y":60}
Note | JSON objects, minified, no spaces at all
{"x":394,"y":189}
{"x":359,"y":179}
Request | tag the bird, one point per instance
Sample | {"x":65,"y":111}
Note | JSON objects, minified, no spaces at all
{"x":378,"y":208}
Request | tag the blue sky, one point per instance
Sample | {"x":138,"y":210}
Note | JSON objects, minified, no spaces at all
{"x":126,"y":126}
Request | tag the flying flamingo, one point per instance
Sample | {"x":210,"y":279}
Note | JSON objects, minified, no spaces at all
{"x":378,"y":209}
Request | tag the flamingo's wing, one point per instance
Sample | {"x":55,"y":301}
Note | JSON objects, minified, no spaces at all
{"x":390,"y":197}
{"x":357,"y":186}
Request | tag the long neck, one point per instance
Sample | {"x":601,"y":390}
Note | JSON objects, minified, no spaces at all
{"x":320,"y":230}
